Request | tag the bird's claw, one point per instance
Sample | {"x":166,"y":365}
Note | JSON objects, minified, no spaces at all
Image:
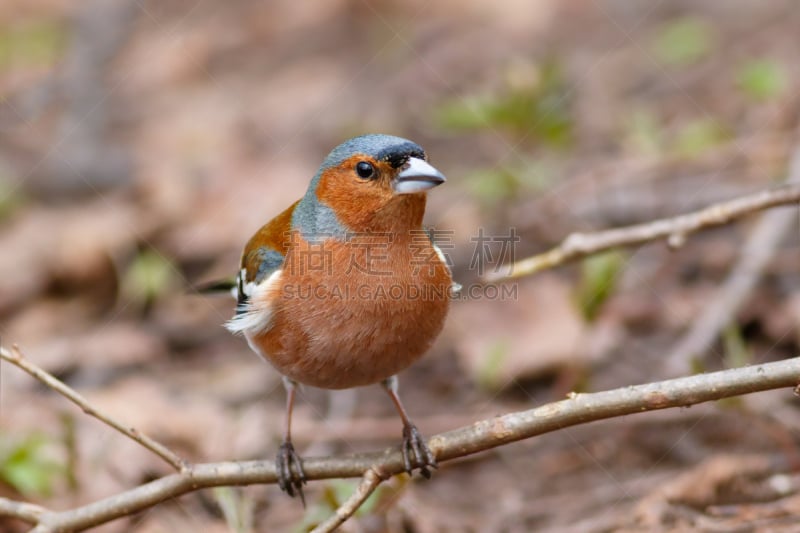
{"x":291,"y":476}
{"x":414,"y":443}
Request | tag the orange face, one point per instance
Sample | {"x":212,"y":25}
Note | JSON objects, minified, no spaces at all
{"x":368,"y":194}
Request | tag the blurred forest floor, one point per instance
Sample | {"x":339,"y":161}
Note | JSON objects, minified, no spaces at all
{"x":143,"y":142}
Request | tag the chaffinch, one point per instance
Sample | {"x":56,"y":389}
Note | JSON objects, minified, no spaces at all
{"x":345,"y":288}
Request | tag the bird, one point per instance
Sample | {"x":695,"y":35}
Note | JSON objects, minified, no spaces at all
{"x":346,"y":288}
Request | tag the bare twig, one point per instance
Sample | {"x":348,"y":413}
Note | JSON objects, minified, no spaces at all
{"x":15,"y":357}
{"x":372,"y":478}
{"x":27,"y":512}
{"x":755,"y":255}
{"x":674,"y":229}
{"x":480,"y":436}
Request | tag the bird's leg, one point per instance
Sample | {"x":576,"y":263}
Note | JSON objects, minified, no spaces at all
{"x":413,"y":442}
{"x":291,"y":482}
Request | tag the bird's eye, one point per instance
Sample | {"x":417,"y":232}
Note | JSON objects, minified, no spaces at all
{"x":365,"y":170}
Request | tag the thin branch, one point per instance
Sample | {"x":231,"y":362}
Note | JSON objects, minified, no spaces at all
{"x":26,"y":512}
{"x":15,"y":357}
{"x":480,"y":436}
{"x":372,"y":478}
{"x":674,"y":229}
{"x":722,"y":307}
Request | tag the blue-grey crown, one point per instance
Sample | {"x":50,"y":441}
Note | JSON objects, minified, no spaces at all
{"x":376,"y":145}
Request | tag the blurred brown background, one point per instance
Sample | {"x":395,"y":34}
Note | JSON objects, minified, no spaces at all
{"x":143,"y":142}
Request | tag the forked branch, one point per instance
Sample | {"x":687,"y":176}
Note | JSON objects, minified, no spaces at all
{"x":374,"y":467}
{"x":674,"y":229}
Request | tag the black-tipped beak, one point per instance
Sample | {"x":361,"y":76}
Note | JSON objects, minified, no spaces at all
{"x":417,"y":175}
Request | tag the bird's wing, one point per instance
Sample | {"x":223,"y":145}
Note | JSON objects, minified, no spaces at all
{"x":262,"y":261}
{"x":263,"y":255}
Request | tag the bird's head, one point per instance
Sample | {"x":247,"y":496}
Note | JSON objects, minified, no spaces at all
{"x":373,"y":181}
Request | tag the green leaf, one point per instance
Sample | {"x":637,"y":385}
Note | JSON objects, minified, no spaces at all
{"x":336,"y":491}
{"x":533,"y":104}
{"x":497,"y":184}
{"x":643,"y":133}
{"x":237,"y":509}
{"x":698,"y":136}
{"x":339,"y":490}
{"x":599,"y":275}
{"x":26,"y":466}
{"x":697,"y":365}
{"x":737,"y":353}
{"x":491,"y":369}
{"x":11,"y":198}
{"x":464,"y":114}
{"x":148,"y":276}
{"x":37,"y":42}
{"x":762,"y":79}
{"x":684,"y":41}
{"x":492,"y":185}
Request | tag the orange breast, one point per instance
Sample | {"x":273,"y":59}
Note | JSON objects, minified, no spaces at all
{"x":357,"y":312}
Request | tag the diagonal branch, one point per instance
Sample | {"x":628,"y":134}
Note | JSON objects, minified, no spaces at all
{"x":674,"y":229}
{"x":372,"y":478}
{"x":480,"y":436}
{"x":27,"y":512}
{"x":15,"y":357}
